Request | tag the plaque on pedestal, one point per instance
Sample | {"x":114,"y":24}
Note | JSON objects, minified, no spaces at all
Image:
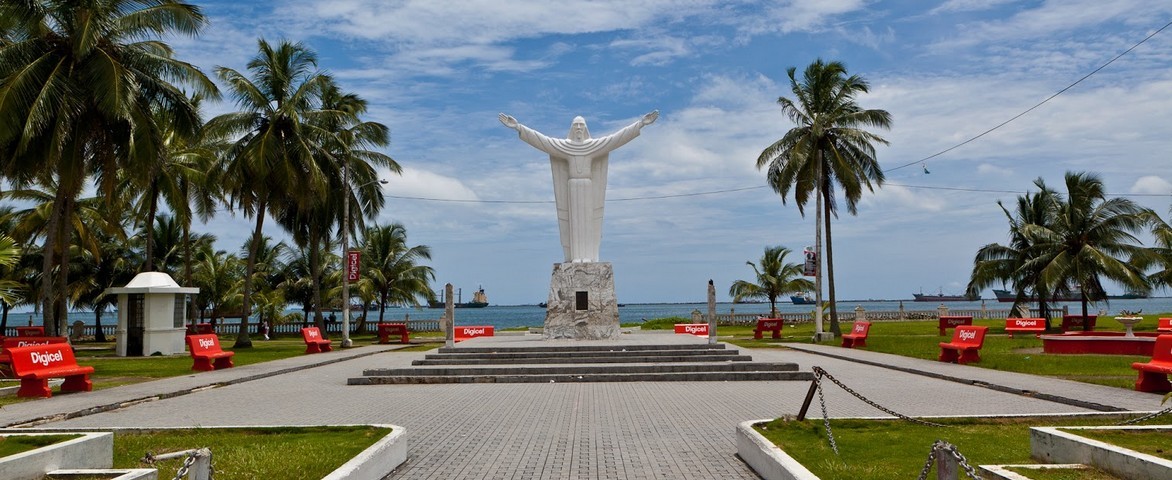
{"x":582,"y":303}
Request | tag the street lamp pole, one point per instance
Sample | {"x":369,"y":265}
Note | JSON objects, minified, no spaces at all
{"x":346,"y":342}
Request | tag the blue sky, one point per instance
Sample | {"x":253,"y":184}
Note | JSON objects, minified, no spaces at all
{"x":438,"y":72}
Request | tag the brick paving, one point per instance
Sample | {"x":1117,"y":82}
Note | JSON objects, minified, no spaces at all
{"x":648,"y":430}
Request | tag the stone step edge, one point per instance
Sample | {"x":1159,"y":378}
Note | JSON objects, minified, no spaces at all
{"x":570,"y":360}
{"x":649,"y":368}
{"x":589,"y":353}
{"x":639,"y":377}
{"x":582,"y":348}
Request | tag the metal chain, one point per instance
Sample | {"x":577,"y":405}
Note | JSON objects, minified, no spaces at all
{"x":818,"y":371}
{"x":928,"y":464}
{"x":1146,"y":417}
{"x":186,"y":465}
{"x":825,"y":416}
{"x":952,"y":450}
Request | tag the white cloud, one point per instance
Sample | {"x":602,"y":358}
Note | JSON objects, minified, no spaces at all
{"x":969,"y":5}
{"x":1151,"y":185}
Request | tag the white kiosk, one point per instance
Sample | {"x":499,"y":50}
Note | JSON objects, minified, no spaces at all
{"x":152,"y":315}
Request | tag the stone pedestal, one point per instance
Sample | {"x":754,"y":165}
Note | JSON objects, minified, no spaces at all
{"x":582,"y":303}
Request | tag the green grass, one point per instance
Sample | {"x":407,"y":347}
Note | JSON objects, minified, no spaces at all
{"x":885,"y":449}
{"x":1151,"y":443}
{"x":285,"y":452}
{"x":14,"y":444}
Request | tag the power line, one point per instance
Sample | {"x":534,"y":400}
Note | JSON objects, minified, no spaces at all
{"x":1051,"y":97}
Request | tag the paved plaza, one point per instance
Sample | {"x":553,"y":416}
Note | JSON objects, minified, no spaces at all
{"x":636,"y":430}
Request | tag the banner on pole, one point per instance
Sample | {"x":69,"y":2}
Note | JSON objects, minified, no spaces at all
{"x":353,"y":262}
{"x":810,"y":268}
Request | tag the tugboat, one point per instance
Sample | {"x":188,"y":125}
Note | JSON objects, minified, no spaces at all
{"x":479,"y":300}
{"x":803,"y":298}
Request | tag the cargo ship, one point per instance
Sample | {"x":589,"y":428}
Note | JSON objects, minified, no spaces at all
{"x":940,"y":297}
{"x":802,"y":299}
{"x":479,"y":300}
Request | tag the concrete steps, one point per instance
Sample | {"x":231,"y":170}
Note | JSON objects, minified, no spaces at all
{"x":583,"y":363}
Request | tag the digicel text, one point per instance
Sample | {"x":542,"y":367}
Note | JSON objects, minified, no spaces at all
{"x":46,"y":358}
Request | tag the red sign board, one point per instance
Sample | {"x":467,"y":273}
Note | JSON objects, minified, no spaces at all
{"x":698,"y":329}
{"x":464,"y":333}
{"x":353,"y":262}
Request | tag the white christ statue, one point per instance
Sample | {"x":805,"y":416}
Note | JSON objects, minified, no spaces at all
{"x":579,"y":179}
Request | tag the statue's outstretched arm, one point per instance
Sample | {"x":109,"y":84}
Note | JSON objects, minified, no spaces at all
{"x":649,"y":118}
{"x":509,"y":121}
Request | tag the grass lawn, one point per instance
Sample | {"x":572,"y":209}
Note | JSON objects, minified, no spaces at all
{"x":1064,"y":473}
{"x":285,"y":452}
{"x":14,"y":444}
{"x":885,"y":449}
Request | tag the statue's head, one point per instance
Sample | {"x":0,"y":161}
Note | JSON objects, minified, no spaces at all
{"x":578,"y":130}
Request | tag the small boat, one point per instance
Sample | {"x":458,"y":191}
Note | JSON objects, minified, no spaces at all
{"x":939,"y":296}
{"x":479,"y":300}
{"x":803,"y":298}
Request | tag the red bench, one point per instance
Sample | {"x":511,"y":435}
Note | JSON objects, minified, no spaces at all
{"x":465,"y":333}
{"x":205,"y":349}
{"x":698,"y":329}
{"x":947,"y":322}
{"x":965,"y":345}
{"x":858,"y":335}
{"x":1153,"y":375}
{"x":35,"y":365}
{"x":768,"y":324}
{"x":314,"y":343}
{"x":385,"y":330}
{"x":10,"y":342}
{"x":30,"y":331}
{"x":1075,"y":322}
{"x":1015,"y":325}
{"x":1165,"y":325}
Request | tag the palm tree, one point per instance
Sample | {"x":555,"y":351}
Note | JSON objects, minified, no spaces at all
{"x":271,"y":162}
{"x":219,"y":277}
{"x":775,"y":278}
{"x":80,"y":82}
{"x":111,"y":266}
{"x":828,"y":146}
{"x":1010,"y":264}
{"x":9,"y":289}
{"x":1092,"y":238}
{"x":1161,"y":253}
{"x":394,"y":268}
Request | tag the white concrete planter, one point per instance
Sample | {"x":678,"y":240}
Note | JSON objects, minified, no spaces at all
{"x":374,"y":463}
{"x":110,"y":473}
{"x":770,"y":462}
{"x":90,"y":450}
{"x":1053,"y":445}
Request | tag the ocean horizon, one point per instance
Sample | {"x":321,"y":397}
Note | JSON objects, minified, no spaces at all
{"x":512,"y":316}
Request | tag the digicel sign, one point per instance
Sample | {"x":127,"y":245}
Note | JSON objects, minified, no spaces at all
{"x":353,"y":260}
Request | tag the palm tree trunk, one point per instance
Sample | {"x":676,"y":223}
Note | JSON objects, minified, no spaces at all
{"x":834,"y":328}
{"x":49,"y":259}
{"x":242,"y":340}
{"x":65,"y":236}
{"x":818,"y":330}
{"x":149,"y":228}
{"x":99,"y":336}
{"x":316,"y":274}
{"x":382,"y":306}
{"x":187,"y":281}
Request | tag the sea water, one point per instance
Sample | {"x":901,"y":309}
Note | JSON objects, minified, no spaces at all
{"x":512,"y":316}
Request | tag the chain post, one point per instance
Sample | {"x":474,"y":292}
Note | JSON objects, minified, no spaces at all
{"x":1146,"y":417}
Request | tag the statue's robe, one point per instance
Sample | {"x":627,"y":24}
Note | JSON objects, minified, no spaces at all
{"x":579,"y":185}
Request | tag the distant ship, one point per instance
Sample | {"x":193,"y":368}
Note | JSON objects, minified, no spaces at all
{"x":479,"y":300}
{"x":802,"y":299}
{"x":939,"y":297}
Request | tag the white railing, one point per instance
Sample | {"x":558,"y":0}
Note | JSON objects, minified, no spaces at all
{"x":733,"y":318}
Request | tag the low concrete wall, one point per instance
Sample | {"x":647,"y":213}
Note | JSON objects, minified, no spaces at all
{"x":377,"y":461}
{"x":1052,"y":445}
{"x":770,"y":462}
{"x":90,"y":450}
{"x":122,"y":473}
